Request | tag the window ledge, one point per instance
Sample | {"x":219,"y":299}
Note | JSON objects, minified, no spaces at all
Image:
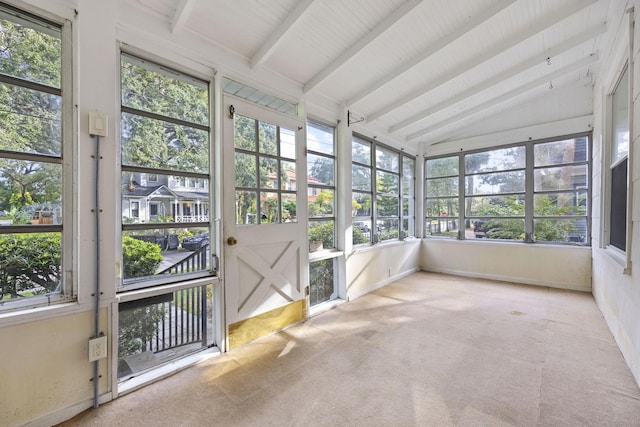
{"x":619,"y":257}
{"x":32,"y":314}
{"x":326,"y":254}
{"x":385,"y":244}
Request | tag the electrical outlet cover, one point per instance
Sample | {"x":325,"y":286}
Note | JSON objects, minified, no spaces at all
{"x":97,"y":348}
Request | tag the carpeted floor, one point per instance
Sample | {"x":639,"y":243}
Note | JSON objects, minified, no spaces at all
{"x":427,"y":350}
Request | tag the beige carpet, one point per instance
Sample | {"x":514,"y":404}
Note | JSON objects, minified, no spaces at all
{"x":427,"y":350}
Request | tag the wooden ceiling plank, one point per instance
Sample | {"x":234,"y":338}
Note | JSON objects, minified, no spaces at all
{"x":182,"y":13}
{"x":500,"y":77}
{"x":368,"y":38}
{"x":403,"y":68}
{"x":539,"y":26}
{"x":506,"y":96}
{"x":271,"y":44}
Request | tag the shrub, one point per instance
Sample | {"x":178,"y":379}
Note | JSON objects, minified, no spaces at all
{"x":139,"y":258}
{"x":30,"y":264}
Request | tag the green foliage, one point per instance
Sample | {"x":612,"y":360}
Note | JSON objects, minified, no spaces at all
{"x":320,"y":281}
{"x":30,"y":264}
{"x":139,"y":259}
{"x":322,"y":232}
{"x":358,"y":236}
{"x":136,"y":327}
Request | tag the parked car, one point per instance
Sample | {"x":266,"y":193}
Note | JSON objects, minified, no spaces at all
{"x":480,"y":228}
{"x":195,"y":242}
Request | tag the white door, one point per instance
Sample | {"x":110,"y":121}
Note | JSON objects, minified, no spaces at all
{"x":264,"y":215}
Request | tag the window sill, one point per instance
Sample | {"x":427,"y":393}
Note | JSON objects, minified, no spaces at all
{"x":326,"y":254}
{"x":619,"y":257}
{"x":33,"y":314}
{"x":385,"y":244}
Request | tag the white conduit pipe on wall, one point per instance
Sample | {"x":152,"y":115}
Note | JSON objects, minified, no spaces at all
{"x":96,"y":320}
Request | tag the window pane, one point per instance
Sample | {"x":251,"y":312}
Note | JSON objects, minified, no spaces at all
{"x":560,"y":178}
{"x":495,"y":206}
{"x":561,"y":152}
{"x":31,"y":120}
{"x":321,"y":281}
{"x":408,"y":175}
{"x":387,"y":159}
{"x":289,"y":207}
{"x":361,"y":178}
{"x":320,"y":138}
{"x":155,"y":89}
{"x":442,"y":207}
{"x":618,"y":220}
{"x":151,"y":252}
{"x":446,"y":166}
{"x":387,"y":183}
{"x":31,"y":264}
{"x":245,"y":133}
{"x":558,"y":204}
{"x":287,"y":175}
{"x":268,"y":138}
{"x":387,"y":206}
{"x":361,"y":232}
{"x":445,"y":227}
{"x":153,"y":143}
{"x":560,"y":230}
{"x":31,"y":53}
{"x":439,"y":187}
{"x":407,"y":206}
{"x":268,"y":173}
{"x":506,"y":229}
{"x":495,"y":160}
{"x":408,"y":227}
{"x":269,"y":208}
{"x":361,"y":204}
{"x":173,"y":325}
{"x":245,"y":166}
{"x":321,"y":232}
{"x":32,"y":192}
{"x":320,"y":202}
{"x":361,"y":152}
{"x":246,"y":207}
{"x":287,"y":143}
{"x":152,"y":201}
{"x":495,"y":183}
{"x":320,"y":169}
{"x":620,"y":119}
{"x":388,"y":229}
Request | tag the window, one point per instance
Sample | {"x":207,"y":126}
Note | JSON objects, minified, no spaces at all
{"x":382,"y":192}
{"x":265,"y":165}
{"x":619,"y":163}
{"x":532,"y":192}
{"x":135,"y":209}
{"x":165,"y":135}
{"x":321,"y":190}
{"x":35,"y":98}
{"x":441,"y":202}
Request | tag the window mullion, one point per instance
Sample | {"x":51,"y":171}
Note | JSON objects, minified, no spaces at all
{"x":528,"y":196}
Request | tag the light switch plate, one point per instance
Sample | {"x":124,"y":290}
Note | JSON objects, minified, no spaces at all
{"x":98,"y":123}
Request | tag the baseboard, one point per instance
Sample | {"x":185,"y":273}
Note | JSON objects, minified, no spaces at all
{"x":67,"y":413}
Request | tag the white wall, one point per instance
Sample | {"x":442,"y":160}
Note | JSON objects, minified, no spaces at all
{"x":373,"y":267}
{"x":565,"y":267}
{"x":618,"y":294}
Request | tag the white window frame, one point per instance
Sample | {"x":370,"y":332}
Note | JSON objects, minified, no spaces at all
{"x":622,"y":257}
{"x":68,"y":287}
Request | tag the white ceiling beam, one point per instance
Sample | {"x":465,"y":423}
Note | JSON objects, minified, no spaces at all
{"x":182,"y":13}
{"x":501,"y":77}
{"x":270,"y":45}
{"x":403,"y":68}
{"x":380,"y":29}
{"x":541,"y":25}
{"x":506,"y":96}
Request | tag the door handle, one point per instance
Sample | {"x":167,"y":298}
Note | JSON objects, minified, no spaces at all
{"x":231,"y":241}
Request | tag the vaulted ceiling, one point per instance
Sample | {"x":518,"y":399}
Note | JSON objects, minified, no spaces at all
{"x":417,"y":71}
